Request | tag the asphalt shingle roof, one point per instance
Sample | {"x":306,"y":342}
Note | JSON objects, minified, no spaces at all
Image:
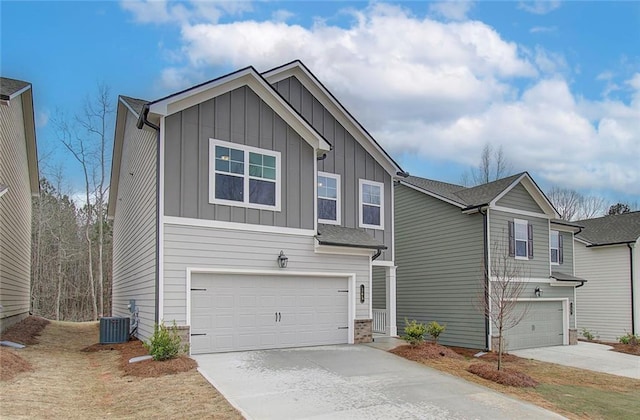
{"x":134,"y":103}
{"x":614,"y":229}
{"x":10,"y":86}
{"x":565,"y":277}
{"x":344,"y":236}
{"x":468,"y":197}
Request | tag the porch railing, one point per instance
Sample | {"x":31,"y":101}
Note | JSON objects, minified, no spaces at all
{"x":380,"y":321}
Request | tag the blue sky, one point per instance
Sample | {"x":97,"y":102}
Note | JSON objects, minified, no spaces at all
{"x":556,"y":84}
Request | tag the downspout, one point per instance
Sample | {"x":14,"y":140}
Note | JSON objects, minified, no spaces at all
{"x":633,"y":321}
{"x":486,"y":277}
{"x":142,"y":121}
{"x":376,"y":255}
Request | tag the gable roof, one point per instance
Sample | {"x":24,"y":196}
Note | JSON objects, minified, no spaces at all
{"x":610,"y":230}
{"x":9,"y":90}
{"x":135,"y":105}
{"x":481,"y":195}
{"x":297,"y":69}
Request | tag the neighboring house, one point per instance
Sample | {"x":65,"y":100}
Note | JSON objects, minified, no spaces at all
{"x":608,"y":254}
{"x":18,"y":183}
{"x":213,"y":187}
{"x":446,"y":234}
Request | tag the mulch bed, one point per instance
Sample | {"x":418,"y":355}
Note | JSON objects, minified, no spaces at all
{"x":11,"y":364}
{"x":425,"y":351}
{"x":633,"y":349}
{"x":26,"y":331}
{"x":146,"y":368}
{"x":503,"y":376}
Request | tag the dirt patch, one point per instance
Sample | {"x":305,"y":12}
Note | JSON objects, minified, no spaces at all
{"x":503,"y":376}
{"x":26,"y":331}
{"x":70,"y":383}
{"x":11,"y":364}
{"x":425,"y":351}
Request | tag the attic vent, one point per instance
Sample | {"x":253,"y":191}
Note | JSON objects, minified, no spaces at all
{"x":114,"y":330}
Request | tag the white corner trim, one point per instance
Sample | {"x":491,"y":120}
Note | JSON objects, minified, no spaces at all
{"x":351,"y":278}
{"x":160,"y":212}
{"x":216,"y":224}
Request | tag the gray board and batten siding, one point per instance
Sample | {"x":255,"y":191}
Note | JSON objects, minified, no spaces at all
{"x":240,"y":117}
{"x":519,"y":198}
{"x":348,"y":159}
{"x":535,"y":268}
{"x":15,"y":216}
{"x":439,"y":255}
{"x":134,"y":227}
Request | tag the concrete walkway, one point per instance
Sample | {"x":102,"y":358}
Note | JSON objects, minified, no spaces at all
{"x":351,"y":382}
{"x":590,"y":356}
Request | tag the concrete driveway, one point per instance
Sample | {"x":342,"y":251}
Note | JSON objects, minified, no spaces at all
{"x":351,"y":382}
{"x":590,"y":356}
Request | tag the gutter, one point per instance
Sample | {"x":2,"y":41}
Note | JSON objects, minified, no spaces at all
{"x":142,"y":121}
{"x":486,"y":277}
{"x":633,"y":321}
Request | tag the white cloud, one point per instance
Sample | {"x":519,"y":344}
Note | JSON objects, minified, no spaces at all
{"x":539,"y":7}
{"x":42,"y":117}
{"x":181,"y":13}
{"x":281,"y":15}
{"x":453,"y":10}
{"x":543,"y":29}
{"x":441,"y":90}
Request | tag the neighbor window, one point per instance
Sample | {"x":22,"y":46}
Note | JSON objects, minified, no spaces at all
{"x":371,"y":204}
{"x":555,"y":245}
{"x":520,"y":239}
{"x":328,"y":198}
{"x":244,"y":176}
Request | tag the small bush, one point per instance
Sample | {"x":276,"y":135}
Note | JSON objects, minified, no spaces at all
{"x":628,"y":338}
{"x":414,"y":332}
{"x":165,"y":342}
{"x":434,"y":329}
{"x":587,"y":334}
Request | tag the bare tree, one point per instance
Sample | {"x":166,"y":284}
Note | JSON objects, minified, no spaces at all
{"x":499,"y":301}
{"x":493,"y":165}
{"x":573,"y":205}
{"x":591,"y":206}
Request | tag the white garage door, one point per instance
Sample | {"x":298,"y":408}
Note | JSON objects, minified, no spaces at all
{"x":541,"y":327}
{"x":231,"y":312}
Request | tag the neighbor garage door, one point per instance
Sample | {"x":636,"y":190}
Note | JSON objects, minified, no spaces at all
{"x":231,"y":312}
{"x":541,"y":327}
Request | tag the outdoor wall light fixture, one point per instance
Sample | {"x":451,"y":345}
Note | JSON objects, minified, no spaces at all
{"x":362,"y":293}
{"x":538,"y":292}
{"x":282,"y":260}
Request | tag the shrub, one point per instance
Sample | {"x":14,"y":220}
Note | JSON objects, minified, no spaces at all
{"x":165,"y":343}
{"x":414,"y":332}
{"x":434,"y":329}
{"x":628,"y":338}
{"x":587,"y":334}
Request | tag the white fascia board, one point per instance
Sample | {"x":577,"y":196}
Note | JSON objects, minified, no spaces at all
{"x":336,"y":109}
{"x":342,"y":250}
{"x":19,"y":92}
{"x":123,"y":102}
{"x":216,"y":224}
{"x":434,"y":195}
{"x":533,"y":190}
{"x":582,"y":241}
{"x":247,"y":77}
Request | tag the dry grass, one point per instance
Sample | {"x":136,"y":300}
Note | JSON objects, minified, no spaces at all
{"x":571,"y":392}
{"x":67,"y":382}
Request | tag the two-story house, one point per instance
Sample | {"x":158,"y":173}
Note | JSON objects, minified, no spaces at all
{"x":18,"y":183}
{"x":251,"y":210}
{"x":453,"y":243}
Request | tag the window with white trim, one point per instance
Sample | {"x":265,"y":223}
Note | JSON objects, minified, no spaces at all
{"x":328,"y":198}
{"x":243,"y":176}
{"x":555,"y":247}
{"x":371,"y":204}
{"x":520,"y":239}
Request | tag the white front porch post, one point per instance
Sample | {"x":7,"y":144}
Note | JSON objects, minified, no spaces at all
{"x":390,"y":286}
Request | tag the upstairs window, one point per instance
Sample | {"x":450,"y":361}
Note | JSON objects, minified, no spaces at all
{"x":520,"y":239}
{"x":328,"y":198}
{"x":371,"y":204}
{"x":243,"y":176}
{"x":555,"y":245}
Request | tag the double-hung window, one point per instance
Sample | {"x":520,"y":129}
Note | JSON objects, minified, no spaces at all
{"x":328,"y":198}
{"x":243,"y":176}
{"x":371,"y":204}
{"x":520,"y":239}
{"x":555,"y":247}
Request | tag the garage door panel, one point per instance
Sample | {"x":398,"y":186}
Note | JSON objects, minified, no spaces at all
{"x":238,"y":312}
{"x":541,"y":326}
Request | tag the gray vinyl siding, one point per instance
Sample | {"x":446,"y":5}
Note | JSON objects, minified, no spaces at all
{"x":205,"y":247}
{"x":567,"y":251}
{"x":348,"y":159}
{"x":240,"y":117}
{"x":15,"y":216}
{"x":539,"y":266}
{"x":605,"y":300}
{"x":439,"y":254}
{"x":379,"y":287}
{"x":134,"y":228}
{"x":520,"y":199}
